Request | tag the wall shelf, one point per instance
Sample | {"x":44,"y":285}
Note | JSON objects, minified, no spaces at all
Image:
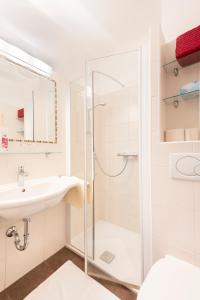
{"x":174,"y":68}
{"x":20,"y":131}
{"x":177,"y":98}
{"x":47,"y":153}
{"x":180,"y":99}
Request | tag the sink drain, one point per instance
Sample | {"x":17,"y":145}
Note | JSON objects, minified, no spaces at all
{"x":107,"y":257}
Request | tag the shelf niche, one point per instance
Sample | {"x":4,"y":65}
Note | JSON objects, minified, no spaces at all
{"x":178,"y":111}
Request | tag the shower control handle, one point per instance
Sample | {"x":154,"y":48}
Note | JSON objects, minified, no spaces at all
{"x":124,"y":154}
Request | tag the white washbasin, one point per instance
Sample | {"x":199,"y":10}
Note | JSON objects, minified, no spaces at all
{"x":35,"y":196}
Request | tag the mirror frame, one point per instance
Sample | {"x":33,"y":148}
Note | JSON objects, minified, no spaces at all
{"x":55,"y":105}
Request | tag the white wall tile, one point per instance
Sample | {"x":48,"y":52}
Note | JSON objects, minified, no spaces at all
{"x":162,"y":248}
{"x":197,"y":217}
{"x":55,"y":232}
{"x":2,"y":258}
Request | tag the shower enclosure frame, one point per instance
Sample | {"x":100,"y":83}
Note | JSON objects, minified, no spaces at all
{"x":144,"y":158}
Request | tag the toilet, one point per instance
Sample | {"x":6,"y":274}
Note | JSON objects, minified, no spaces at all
{"x":171,"y":279}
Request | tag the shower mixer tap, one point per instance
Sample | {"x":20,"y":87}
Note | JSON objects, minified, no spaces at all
{"x":124,"y":154}
{"x":95,"y":106}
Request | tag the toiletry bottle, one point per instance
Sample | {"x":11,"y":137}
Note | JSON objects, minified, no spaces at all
{"x":3,"y":135}
{"x":4,"y":141}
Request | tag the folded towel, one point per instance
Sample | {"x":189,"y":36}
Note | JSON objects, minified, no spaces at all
{"x":75,"y":196}
{"x":190,"y":87}
{"x":188,"y":47}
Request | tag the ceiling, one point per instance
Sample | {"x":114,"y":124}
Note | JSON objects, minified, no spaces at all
{"x":179,"y":16}
{"x":65,"y":33}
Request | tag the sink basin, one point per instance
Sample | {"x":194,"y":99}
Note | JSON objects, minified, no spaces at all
{"x":35,"y":196}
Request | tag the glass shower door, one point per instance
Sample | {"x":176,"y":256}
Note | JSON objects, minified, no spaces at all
{"x":113,"y":234}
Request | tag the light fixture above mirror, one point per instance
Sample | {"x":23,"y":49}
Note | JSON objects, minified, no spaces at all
{"x":22,"y":58}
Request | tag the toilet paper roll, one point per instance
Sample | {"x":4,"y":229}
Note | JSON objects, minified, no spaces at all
{"x":191,"y":134}
{"x":173,"y":135}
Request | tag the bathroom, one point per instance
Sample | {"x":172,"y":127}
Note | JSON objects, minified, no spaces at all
{"x":99,"y":150}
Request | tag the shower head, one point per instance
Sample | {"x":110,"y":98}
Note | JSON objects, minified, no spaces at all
{"x":100,"y":104}
{"x":97,"y":105}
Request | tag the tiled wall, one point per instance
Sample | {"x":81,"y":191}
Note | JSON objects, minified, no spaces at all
{"x":47,"y":229}
{"x":175,"y":203}
{"x":116,"y":130}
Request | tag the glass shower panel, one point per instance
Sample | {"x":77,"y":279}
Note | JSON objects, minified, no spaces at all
{"x":75,"y":219}
{"x":113,"y":93}
{"x":76,"y":212}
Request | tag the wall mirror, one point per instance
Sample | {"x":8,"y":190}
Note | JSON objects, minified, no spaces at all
{"x":28,"y":104}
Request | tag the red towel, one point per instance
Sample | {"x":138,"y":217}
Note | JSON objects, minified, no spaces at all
{"x":20,"y":113}
{"x":188,"y":47}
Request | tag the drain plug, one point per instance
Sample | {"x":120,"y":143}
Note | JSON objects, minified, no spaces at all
{"x":107,"y":257}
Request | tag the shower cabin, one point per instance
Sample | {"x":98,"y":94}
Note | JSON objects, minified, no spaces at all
{"x":106,"y":149}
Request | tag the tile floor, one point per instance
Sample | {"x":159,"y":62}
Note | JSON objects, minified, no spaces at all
{"x":22,"y":287}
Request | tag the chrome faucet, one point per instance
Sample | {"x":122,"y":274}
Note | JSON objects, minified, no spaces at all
{"x":21,"y":175}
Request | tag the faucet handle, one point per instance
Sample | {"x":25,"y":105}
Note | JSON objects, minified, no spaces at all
{"x":20,"y":168}
{"x":21,"y":171}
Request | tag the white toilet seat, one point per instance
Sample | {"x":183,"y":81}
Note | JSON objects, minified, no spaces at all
{"x":171,"y":279}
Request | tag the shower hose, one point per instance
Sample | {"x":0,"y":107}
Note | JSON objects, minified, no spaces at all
{"x":107,"y":174}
